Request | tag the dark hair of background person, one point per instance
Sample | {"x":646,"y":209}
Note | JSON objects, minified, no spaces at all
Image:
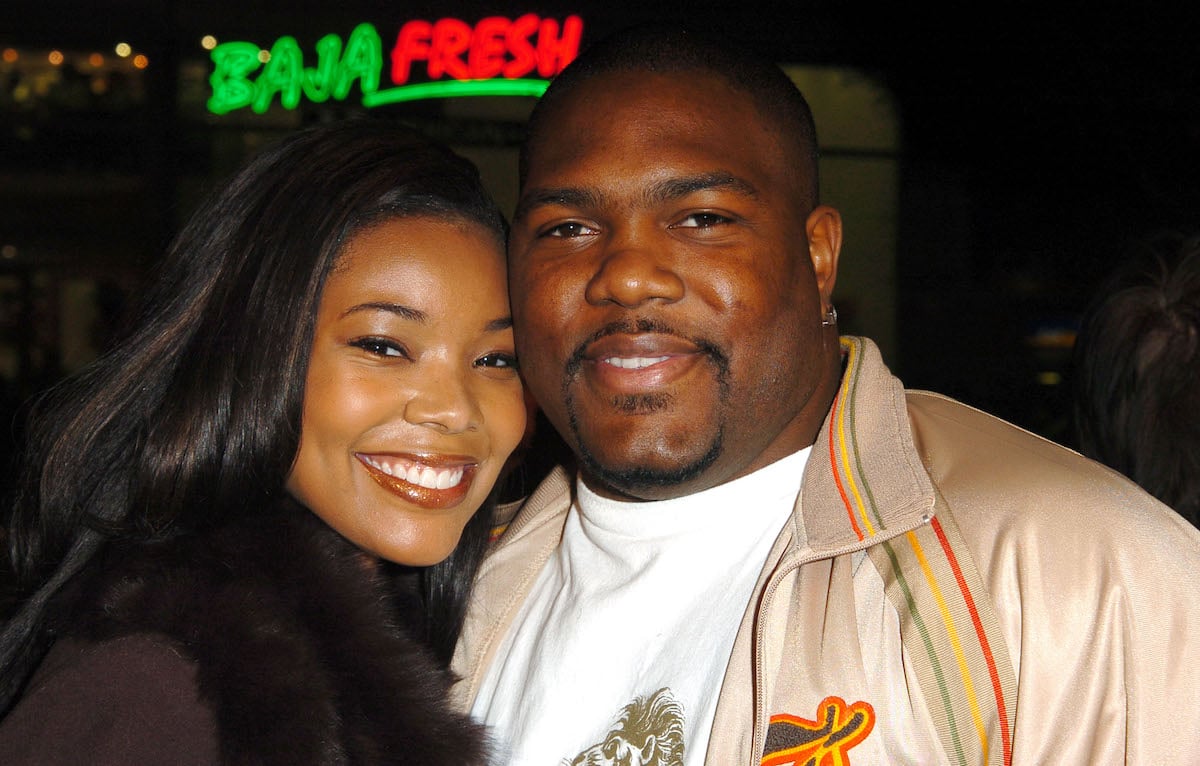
{"x":654,"y":48}
{"x":194,"y":419}
{"x":1137,"y":371}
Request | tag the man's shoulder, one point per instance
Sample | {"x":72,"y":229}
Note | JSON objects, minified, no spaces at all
{"x":1002,"y":482}
{"x":960,"y":444}
{"x":1091,"y":581}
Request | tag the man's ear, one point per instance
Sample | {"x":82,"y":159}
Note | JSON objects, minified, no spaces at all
{"x":824,"y":227}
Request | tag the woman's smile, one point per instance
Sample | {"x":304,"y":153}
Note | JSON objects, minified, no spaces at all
{"x":440,"y":482}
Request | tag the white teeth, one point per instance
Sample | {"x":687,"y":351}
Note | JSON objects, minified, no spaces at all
{"x":428,"y":478}
{"x":634,"y":362}
{"x":422,"y":476}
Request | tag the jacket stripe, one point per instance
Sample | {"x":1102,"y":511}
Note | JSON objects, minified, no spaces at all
{"x":925,"y":578}
{"x":955,"y":642}
{"x":845,"y":396}
{"x":931,"y":654}
{"x":837,"y":478}
{"x":981,"y":635}
{"x":929,"y":578}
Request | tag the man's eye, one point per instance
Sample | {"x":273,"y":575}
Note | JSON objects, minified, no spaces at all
{"x":497,"y":360}
{"x":568,"y":230}
{"x":701,"y":221}
{"x":380,"y":347}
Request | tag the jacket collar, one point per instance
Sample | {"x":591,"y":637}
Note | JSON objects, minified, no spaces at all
{"x":865,"y":480}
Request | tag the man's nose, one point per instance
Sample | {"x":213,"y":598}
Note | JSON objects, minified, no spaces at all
{"x":631,"y":274}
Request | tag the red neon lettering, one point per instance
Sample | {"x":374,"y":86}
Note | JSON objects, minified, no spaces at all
{"x":488,"y":45}
{"x":524,"y":56}
{"x":451,"y":38}
{"x":495,"y":46}
{"x":412,"y":44}
{"x":553,"y":52}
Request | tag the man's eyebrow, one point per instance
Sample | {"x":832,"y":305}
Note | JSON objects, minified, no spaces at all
{"x":565,"y":196}
{"x":675,"y":188}
{"x":662,"y":191}
{"x":399,"y":309}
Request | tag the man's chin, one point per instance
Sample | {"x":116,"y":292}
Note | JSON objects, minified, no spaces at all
{"x":645,"y":480}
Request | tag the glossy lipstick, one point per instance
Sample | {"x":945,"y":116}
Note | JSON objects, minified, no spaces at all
{"x":434,"y":483}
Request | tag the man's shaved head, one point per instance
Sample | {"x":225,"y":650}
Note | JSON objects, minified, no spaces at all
{"x":670,"y":50}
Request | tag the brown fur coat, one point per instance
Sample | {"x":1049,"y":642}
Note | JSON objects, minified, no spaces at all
{"x":296,"y":642}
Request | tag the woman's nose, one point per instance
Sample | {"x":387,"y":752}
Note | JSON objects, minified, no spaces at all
{"x":442,"y":402}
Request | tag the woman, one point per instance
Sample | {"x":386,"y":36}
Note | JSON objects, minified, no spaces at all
{"x":321,"y":385}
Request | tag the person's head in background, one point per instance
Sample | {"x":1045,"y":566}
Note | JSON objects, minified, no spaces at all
{"x":1137,"y":371}
{"x":331,"y":327}
{"x":671,"y":267}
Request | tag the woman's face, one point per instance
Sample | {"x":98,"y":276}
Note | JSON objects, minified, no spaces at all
{"x":412,"y":401}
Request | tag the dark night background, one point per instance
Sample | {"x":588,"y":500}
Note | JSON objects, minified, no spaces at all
{"x":1038,"y":140}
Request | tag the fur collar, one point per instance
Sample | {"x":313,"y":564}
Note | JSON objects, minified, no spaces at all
{"x":296,"y":642}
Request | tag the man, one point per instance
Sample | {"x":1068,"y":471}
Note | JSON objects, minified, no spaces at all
{"x":771,"y":553}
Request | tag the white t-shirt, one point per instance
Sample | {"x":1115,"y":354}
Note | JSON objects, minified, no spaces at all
{"x":624,"y":639}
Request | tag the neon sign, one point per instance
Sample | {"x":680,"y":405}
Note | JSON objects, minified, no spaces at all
{"x":496,"y":56}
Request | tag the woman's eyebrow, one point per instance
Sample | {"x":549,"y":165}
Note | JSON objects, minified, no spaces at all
{"x":399,"y":309}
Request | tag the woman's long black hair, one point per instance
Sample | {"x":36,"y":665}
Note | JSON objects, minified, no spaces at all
{"x":194,"y":419}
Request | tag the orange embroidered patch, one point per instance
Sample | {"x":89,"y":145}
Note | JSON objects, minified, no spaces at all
{"x":825,"y":741}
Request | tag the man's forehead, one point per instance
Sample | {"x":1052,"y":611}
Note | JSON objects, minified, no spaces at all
{"x":634,"y":118}
{"x":615,"y":105}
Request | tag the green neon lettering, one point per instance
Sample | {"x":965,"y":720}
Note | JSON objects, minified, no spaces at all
{"x":456,"y":88}
{"x":362,"y":61}
{"x":282,"y":74}
{"x":319,"y":82}
{"x":231,"y":89}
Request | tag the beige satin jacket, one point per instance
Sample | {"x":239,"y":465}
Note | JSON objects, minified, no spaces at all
{"x":951,"y":589}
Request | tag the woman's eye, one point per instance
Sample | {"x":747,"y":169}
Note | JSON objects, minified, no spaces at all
{"x":568,"y":230}
{"x":498,"y":361}
{"x":702,"y":221}
{"x":380,"y":347}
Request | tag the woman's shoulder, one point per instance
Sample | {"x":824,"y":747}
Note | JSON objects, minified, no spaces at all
{"x":131,"y":699}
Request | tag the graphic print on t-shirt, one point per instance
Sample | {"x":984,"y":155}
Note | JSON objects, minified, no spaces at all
{"x":648,"y":732}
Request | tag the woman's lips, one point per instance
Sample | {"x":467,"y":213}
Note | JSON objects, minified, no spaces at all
{"x":440,"y":483}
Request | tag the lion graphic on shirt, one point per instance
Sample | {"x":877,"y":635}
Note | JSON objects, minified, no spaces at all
{"x":648,"y":732}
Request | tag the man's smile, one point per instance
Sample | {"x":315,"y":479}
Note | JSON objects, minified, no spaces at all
{"x":628,"y":363}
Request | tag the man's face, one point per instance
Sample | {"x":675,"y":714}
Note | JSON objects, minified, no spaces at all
{"x":667,"y":309}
